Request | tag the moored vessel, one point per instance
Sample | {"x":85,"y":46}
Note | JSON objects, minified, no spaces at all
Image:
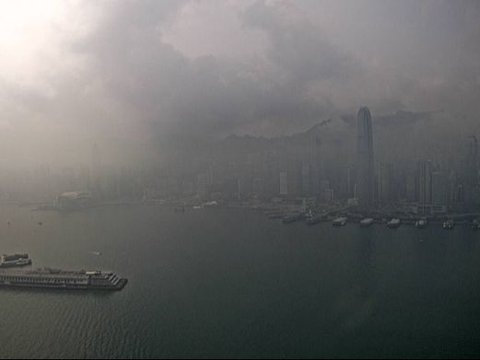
{"x":340,"y":221}
{"x":62,"y":279}
{"x":421,"y":223}
{"x":14,"y":260}
{"x":394,"y":223}
{"x":475,"y":224}
{"x":366,"y":222}
{"x":313,"y":220}
{"x":448,"y":224}
{"x":287,"y":219}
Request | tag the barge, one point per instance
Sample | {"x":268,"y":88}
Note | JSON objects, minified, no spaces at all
{"x":62,"y":279}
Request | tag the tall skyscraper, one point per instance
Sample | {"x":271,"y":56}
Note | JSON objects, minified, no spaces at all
{"x":386,"y":187}
{"x":439,"y":188}
{"x":365,"y":168}
{"x":471,"y":190}
{"x":471,"y":163}
{"x":424,"y":181}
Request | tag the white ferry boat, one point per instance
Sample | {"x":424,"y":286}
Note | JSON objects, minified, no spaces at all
{"x":448,"y":224}
{"x":366,"y":222}
{"x":421,"y":223}
{"x":394,"y":223}
{"x":340,"y":221}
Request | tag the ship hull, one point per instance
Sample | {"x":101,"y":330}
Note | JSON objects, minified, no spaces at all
{"x":25,"y":285}
{"x":10,"y":265}
{"x":62,"y":280}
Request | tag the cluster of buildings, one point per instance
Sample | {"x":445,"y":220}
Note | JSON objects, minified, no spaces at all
{"x":319,"y":166}
{"x":69,"y":184}
{"x":327,"y":168}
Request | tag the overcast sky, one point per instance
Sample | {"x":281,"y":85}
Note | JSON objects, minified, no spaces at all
{"x":122,"y":73}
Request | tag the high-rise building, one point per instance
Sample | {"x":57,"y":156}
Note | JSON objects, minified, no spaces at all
{"x":386,"y":191}
{"x":283,"y":183}
{"x":306,"y":179}
{"x":410,"y":186}
{"x":470,"y":184}
{"x":439,"y":188}
{"x":471,"y":166}
{"x":365,"y":167}
{"x":424,"y":182}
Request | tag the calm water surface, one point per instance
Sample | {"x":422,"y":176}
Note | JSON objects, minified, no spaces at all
{"x":224,"y":282}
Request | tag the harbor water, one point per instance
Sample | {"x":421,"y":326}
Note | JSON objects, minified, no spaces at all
{"x":219,"y":282}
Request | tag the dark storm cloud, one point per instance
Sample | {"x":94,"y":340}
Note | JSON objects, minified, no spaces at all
{"x":304,"y":76}
{"x":211,"y":95}
{"x":298,"y":47}
{"x":320,"y":59}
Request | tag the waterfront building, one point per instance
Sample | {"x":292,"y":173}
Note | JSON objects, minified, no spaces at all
{"x":73,"y":200}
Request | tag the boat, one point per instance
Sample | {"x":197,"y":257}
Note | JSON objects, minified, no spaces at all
{"x":62,"y":279}
{"x":14,"y":260}
{"x":292,"y":218}
{"x":340,"y":221}
{"x":314,"y":220}
{"x":210,"y":203}
{"x":421,"y":223}
{"x":276,"y":215}
{"x":448,"y":224}
{"x":394,"y":223}
{"x":366,"y":222}
{"x":475,"y":225}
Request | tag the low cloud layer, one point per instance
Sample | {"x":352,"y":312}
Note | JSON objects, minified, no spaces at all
{"x":133,"y":74}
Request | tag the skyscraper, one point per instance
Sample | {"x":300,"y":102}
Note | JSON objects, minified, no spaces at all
{"x":424,"y":181}
{"x":471,"y":163}
{"x":386,"y":187}
{"x":365,"y":172}
{"x":471,"y":190}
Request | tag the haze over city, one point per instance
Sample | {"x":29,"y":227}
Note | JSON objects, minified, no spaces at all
{"x":215,"y":143}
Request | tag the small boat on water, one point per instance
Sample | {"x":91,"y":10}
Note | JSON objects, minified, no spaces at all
{"x":421,"y":223}
{"x":394,"y":223}
{"x":15,"y":260}
{"x":313,"y":220}
{"x":366,"y":222}
{"x":292,"y":218}
{"x":276,"y":215}
{"x":448,"y":224}
{"x":340,"y":221}
{"x":475,"y":224}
